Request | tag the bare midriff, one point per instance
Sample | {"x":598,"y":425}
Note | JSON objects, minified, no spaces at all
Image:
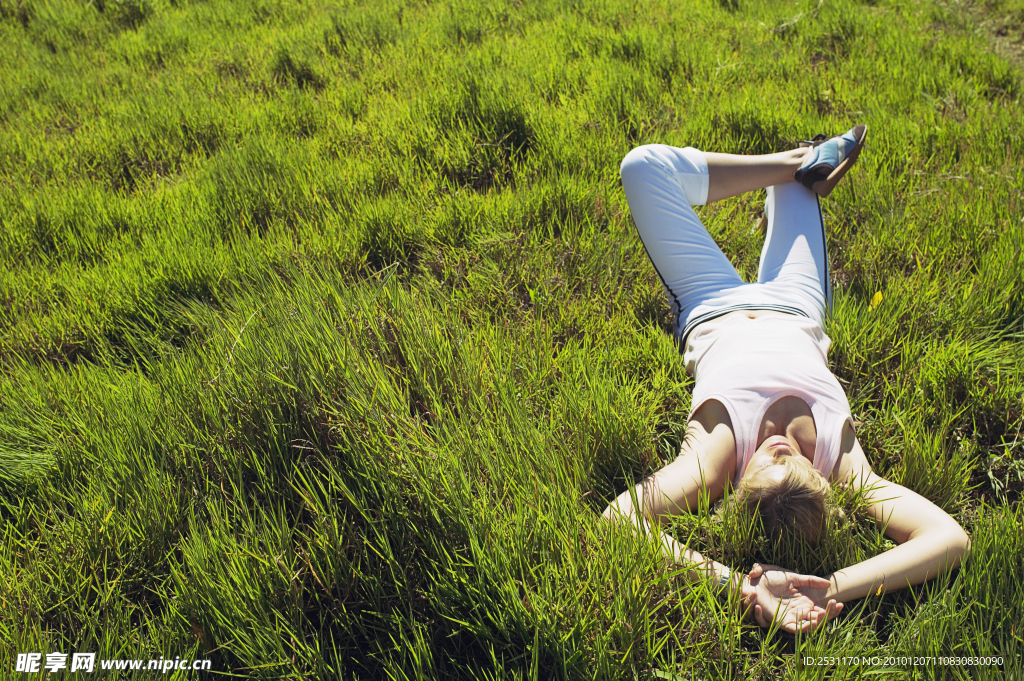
{"x":749,"y":314}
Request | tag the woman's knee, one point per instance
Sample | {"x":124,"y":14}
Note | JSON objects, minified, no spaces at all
{"x":685,"y":168}
{"x":640,"y":160}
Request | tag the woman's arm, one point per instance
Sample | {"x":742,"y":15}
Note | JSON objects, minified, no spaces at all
{"x":930,"y":541}
{"x":703,"y":465}
{"x":700,"y":566}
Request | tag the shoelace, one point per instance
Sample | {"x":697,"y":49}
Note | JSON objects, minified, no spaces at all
{"x":814,"y":141}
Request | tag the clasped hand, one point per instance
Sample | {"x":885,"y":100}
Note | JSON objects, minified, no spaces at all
{"x":793,"y":601}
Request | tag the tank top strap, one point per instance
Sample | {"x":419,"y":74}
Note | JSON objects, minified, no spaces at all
{"x":829,"y":434}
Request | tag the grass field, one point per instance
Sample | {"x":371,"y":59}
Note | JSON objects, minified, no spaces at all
{"x":325,"y":334}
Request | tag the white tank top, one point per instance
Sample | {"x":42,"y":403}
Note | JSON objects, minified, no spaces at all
{"x":747,"y":364}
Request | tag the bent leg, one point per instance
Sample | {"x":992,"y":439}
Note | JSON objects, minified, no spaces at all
{"x":794,"y":259}
{"x":734,"y":174}
{"x":662,"y":185}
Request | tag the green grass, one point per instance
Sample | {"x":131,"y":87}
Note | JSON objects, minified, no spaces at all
{"x":325,"y":334}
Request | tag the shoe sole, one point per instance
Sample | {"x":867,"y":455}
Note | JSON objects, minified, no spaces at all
{"x":824,"y":187}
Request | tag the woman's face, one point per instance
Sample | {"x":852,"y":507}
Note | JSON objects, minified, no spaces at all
{"x":771,"y":454}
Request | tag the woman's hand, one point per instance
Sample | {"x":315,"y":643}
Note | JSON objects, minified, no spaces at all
{"x":747,"y":594}
{"x":795,"y":602}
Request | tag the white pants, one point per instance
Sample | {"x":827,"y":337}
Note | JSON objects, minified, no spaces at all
{"x":662,"y":185}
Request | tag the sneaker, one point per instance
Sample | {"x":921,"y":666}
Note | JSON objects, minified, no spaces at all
{"x":829,"y":160}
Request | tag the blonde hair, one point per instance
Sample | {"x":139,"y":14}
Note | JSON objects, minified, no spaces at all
{"x":796,"y":502}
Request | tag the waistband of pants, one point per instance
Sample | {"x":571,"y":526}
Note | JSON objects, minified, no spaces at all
{"x":708,"y":316}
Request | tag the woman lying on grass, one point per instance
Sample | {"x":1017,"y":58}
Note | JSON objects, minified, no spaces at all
{"x":767,"y":414}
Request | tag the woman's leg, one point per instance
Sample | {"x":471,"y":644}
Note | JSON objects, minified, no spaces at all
{"x":794,"y":259}
{"x":662,"y":183}
{"x":732,"y":174}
